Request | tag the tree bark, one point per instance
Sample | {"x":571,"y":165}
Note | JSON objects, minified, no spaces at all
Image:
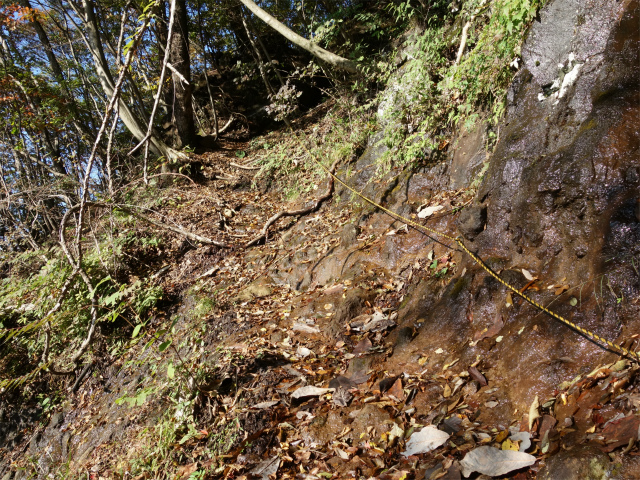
{"x":293,"y":37}
{"x":179,"y":59}
{"x":127,"y":116}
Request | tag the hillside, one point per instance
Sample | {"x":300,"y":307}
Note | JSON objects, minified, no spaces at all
{"x":244,"y":314}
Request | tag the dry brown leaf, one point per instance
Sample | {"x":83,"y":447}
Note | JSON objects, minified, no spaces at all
{"x":479,"y":377}
{"x":396,"y":391}
{"x":447,"y":391}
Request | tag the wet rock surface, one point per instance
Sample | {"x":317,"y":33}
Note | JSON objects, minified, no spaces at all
{"x":580,"y":463}
{"x":472,"y":221}
{"x":559,"y":199}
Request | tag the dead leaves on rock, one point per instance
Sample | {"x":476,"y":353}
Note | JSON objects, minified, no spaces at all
{"x":427,"y":439}
{"x":494,"y":462}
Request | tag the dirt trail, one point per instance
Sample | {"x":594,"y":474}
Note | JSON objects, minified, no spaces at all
{"x":324,"y":351}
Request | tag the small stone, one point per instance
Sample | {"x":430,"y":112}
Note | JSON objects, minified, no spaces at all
{"x":472,"y":221}
{"x":349,"y":235}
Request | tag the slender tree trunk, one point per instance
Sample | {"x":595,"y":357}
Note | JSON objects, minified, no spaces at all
{"x":258,"y":57}
{"x":206,"y":74}
{"x":179,"y":59}
{"x":127,"y":116}
{"x":293,"y":37}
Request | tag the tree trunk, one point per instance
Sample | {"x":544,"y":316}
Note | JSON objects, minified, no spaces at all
{"x":127,"y":116}
{"x":315,"y":50}
{"x":258,"y":58}
{"x":179,"y":59}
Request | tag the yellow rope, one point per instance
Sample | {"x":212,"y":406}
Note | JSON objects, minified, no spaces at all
{"x":458,"y":240}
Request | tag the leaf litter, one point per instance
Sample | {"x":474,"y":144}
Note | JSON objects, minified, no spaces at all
{"x":310,"y":399}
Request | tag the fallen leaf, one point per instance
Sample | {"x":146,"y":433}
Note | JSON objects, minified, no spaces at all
{"x":386,"y":383}
{"x":509,"y":445}
{"x":477,"y":376}
{"x":377,"y":322}
{"x":452,"y":424}
{"x":395,"y":432}
{"x":363,"y":346}
{"x":619,"y":432}
{"x":342,"y":454}
{"x":309,"y":391}
{"x":304,"y":352}
{"x":334,"y":289}
{"x":396,"y":390}
{"x":527,"y":274}
{"x":303,"y":327}
{"x":524,"y":438}
{"x":342,"y":382}
{"x":493,"y":462}
{"x":266,"y":468}
{"x":186,"y":470}
{"x":546,"y":424}
{"x":533,"y":412}
{"x":263,"y":405}
{"x":428,"y":211}
{"x":341,"y":397}
{"x":560,"y":289}
{"x":447,"y":391}
{"x":427,"y":439}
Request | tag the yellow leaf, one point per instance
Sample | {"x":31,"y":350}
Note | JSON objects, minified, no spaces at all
{"x":447,"y":391}
{"x":509,"y":445}
{"x":533,"y":411}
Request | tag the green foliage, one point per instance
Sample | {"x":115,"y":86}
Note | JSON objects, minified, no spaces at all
{"x":430,"y":94}
{"x":281,"y":155}
{"x":138,"y":399}
{"x":25,"y":302}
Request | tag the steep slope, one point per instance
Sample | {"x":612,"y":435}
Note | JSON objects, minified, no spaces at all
{"x":407,"y":330}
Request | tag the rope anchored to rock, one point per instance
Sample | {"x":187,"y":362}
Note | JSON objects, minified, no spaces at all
{"x":459,"y":241}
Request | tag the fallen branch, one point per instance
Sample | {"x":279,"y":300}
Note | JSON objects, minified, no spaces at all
{"x":295,"y":213}
{"x":243,"y":167}
{"x":171,"y":228}
{"x":226,"y":125}
{"x":463,"y":39}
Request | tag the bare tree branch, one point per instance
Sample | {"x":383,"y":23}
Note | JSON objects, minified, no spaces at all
{"x":294,"y":213}
{"x":293,"y":37}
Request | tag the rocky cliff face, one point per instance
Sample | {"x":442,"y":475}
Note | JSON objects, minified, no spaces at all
{"x":560,"y":198}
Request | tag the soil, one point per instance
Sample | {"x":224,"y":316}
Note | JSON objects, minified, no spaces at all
{"x":406,"y":329}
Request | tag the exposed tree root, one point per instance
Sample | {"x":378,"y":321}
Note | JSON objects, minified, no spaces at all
{"x":296,"y":213}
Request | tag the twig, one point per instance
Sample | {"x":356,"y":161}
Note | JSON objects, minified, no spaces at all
{"x":178,"y":74}
{"x":227,"y":125}
{"x":141,"y":143}
{"x":81,"y":377}
{"x":160,"y":82}
{"x":299,"y":212}
{"x":171,"y":228}
{"x":243,"y":167}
